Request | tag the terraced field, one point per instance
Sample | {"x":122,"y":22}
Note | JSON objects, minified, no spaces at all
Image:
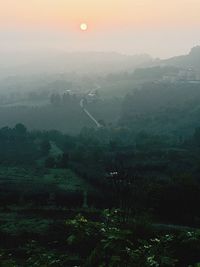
{"x":27,"y":177}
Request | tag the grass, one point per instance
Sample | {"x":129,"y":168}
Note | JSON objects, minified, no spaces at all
{"x":67,"y":180}
{"x":63,"y":178}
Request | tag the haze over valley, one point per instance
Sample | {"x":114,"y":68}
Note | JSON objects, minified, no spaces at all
{"x":99,"y":133}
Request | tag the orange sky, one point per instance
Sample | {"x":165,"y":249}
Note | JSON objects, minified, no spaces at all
{"x":108,"y":16}
{"x":66,"y":13}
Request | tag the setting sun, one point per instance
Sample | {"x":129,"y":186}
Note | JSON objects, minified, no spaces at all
{"x":83,"y":26}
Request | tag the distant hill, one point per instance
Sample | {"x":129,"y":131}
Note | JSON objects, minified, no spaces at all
{"x":53,"y":62}
{"x":191,"y":60}
{"x":80,"y":62}
{"x":163,"y":108}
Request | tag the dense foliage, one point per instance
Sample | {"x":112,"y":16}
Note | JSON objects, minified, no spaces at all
{"x":136,"y":196}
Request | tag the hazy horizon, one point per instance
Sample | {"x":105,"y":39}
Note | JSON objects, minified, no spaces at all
{"x":159,"y":28}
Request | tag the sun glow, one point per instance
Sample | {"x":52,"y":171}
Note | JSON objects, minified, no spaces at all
{"x":83,"y":26}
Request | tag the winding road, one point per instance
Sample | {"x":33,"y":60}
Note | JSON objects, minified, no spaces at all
{"x":89,"y":114}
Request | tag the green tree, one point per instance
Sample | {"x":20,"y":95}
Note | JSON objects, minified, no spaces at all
{"x":45,"y":147}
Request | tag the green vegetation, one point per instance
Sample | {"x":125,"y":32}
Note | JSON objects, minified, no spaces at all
{"x":122,"y":195}
{"x":108,"y":241}
{"x":107,"y":197}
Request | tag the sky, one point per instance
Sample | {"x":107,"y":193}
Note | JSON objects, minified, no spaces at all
{"x":161,"y":28}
